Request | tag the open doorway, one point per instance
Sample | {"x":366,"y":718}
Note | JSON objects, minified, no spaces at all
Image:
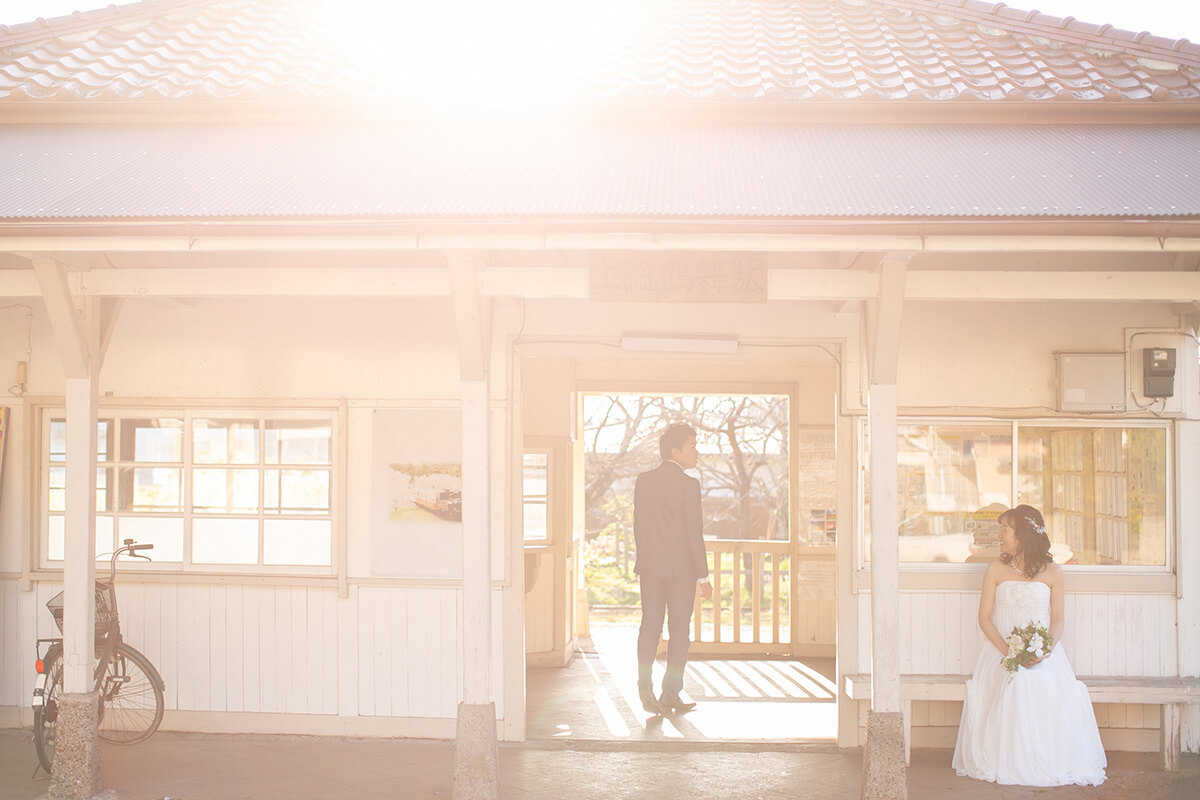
{"x":762,"y":658}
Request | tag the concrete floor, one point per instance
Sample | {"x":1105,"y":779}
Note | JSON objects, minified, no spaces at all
{"x":595,"y":699}
{"x":589,"y":740}
{"x":243,"y":767}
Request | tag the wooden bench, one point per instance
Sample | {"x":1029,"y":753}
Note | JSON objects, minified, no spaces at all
{"x":1170,"y":693}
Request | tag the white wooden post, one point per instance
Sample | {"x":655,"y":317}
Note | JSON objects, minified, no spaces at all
{"x":76,"y":771}
{"x":1187,"y":563}
{"x":884,"y":775}
{"x":477,"y":560}
{"x":885,"y":551}
{"x":476,"y":754}
{"x":79,"y":571}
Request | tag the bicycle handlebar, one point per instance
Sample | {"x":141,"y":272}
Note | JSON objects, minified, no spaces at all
{"x":130,"y":547}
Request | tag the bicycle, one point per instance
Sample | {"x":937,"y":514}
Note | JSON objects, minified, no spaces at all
{"x":129,"y":686}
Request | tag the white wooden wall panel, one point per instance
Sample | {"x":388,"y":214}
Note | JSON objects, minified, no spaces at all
{"x":1119,"y":634}
{"x":267,"y":648}
{"x":16,"y":649}
{"x":410,"y":648}
{"x":539,"y":606}
{"x":816,"y":621}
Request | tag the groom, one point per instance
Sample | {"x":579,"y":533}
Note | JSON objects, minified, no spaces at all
{"x":667,"y":529}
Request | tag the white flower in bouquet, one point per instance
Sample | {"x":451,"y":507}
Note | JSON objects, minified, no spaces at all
{"x":1036,"y":645}
{"x":1026,"y":645}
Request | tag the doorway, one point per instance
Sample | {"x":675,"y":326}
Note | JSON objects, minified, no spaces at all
{"x":765,"y":645}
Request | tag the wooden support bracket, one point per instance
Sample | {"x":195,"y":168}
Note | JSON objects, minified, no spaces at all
{"x":64,"y":321}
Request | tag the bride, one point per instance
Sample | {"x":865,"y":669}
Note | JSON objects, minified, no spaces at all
{"x":1035,"y":726}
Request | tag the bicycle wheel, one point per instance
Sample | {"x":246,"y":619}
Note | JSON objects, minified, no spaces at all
{"x":45,"y":716}
{"x":131,"y":697}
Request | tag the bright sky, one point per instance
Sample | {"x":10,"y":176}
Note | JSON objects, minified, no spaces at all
{"x":1171,"y":18}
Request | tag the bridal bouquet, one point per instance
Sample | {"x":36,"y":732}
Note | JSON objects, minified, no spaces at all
{"x":1026,"y":645}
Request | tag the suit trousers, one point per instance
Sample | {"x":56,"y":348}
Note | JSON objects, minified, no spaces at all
{"x":672,"y":598}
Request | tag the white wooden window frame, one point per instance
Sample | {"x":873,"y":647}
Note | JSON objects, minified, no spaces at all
{"x":863,"y":565}
{"x":188,"y":412}
{"x":546,"y":501}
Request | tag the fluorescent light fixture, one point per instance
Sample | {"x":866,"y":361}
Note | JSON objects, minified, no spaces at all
{"x":678,"y":343}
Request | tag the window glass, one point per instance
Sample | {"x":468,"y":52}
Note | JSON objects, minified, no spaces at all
{"x":952,"y":483}
{"x":152,"y":440}
{"x":203,"y":488}
{"x":225,"y":441}
{"x":297,"y":542}
{"x":151,"y":489}
{"x":535,"y":486}
{"x":56,"y":494}
{"x":232,"y":491}
{"x":1103,"y":491}
{"x":289,"y":442}
{"x":224,"y":541}
{"x":165,"y":533}
{"x":56,"y":539}
{"x":58,"y":440}
{"x":296,"y":491}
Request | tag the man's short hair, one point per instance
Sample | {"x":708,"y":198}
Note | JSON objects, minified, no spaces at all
{"x":674,"y":438}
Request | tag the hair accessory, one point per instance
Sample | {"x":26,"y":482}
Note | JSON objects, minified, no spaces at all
{"x":1037,"y":528}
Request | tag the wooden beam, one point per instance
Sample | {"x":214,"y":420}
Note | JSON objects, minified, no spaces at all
{"x":60,"y":309}
{"x":1023,"y":285}
{"x":840,"y":285}
{"x":285,"y":241}
{"x":884,"y":321}
{"x":110,"y":310}
{"x":470,"y":317}
{"x":19,"y":283}
{"x":267,"y":282}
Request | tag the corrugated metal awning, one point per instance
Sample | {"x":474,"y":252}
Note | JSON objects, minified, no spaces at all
{"x":737,"y":172}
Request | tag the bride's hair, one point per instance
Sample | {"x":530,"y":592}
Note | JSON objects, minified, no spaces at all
{"x":1033,"y":543}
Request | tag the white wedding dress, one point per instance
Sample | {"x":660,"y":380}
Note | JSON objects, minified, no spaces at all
{"x":1034,"y":727}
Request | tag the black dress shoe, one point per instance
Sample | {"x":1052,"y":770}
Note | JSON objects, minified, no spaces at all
{"x":673,"y":704}
{"x":649,"y":701}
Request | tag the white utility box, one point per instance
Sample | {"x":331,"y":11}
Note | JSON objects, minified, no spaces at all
{"x":1091,"y":381}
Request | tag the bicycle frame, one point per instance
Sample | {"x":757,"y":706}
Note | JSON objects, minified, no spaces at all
{"x":112,"y":632}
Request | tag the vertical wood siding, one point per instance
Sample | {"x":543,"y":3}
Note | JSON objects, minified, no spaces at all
{"x":815,"y":603}
{"x":1104,"y":634}
{"x":539,"y":606}
{"x":257,"y":648}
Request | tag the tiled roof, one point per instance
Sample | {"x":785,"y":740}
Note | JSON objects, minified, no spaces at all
{"x":771,"y":172}
{"x":740,"y":50}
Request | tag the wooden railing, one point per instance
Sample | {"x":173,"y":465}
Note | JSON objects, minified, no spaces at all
{"x":750,"y":607}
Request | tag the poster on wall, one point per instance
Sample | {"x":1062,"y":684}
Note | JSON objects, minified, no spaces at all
{"x":416,"y":493}
{"x":3,"y":440}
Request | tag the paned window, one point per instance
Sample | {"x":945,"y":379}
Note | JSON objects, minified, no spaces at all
{"x":535,"y":494}
{"x":208,"y":489}
{"x":1101,"y":489}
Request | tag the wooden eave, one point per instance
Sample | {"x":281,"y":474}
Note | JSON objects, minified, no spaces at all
{"x":751,"y":112}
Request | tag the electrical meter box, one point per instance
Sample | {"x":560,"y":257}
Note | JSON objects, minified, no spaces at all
{"x":1158,"y":372}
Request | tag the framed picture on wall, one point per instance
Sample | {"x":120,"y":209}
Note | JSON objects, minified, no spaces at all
{"x":3,"y":442}
{"x":416,"y":493}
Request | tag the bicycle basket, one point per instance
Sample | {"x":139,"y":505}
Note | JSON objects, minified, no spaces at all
{"x":104,"y":610}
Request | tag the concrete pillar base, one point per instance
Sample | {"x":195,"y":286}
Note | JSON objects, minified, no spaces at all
{"x":476,"y":753}
{"x":884,"y":774}
{"x":76,"y":770}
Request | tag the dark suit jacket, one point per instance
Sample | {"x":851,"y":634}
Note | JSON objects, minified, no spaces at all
{"x":667,"y":525}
